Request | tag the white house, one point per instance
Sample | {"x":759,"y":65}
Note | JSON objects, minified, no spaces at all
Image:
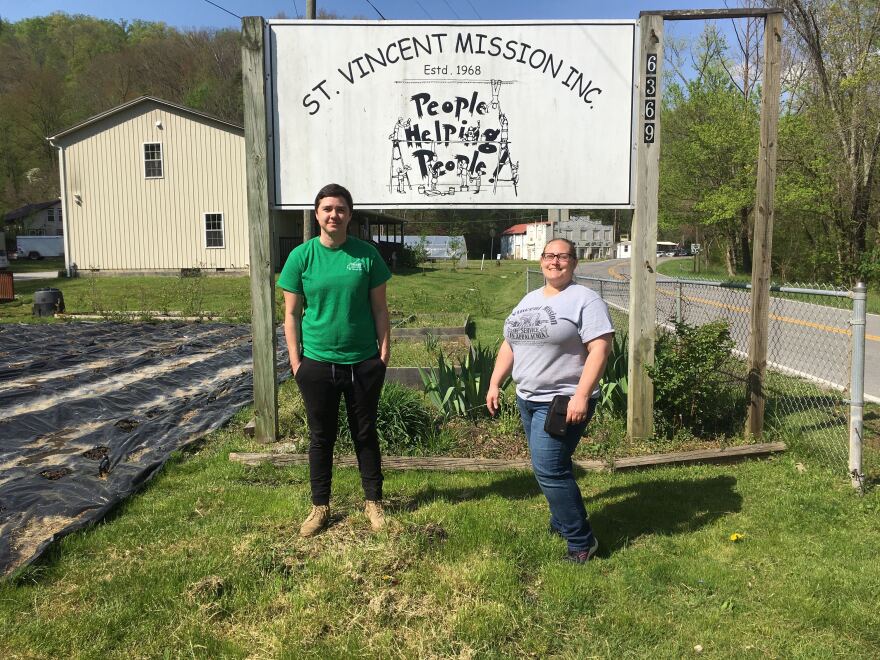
{"x":41,"y":219}
{"x":525,"y":241}
{"x":592,"y":239}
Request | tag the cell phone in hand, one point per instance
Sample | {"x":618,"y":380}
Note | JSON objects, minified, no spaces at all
{"x":555,"y":423}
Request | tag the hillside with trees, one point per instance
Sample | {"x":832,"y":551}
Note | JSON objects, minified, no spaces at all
{"x":60,"y":69}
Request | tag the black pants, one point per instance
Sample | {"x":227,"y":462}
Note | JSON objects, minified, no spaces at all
{"x":322,"y":384}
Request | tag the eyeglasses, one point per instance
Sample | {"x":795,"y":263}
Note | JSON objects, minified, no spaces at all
{"x":562,"y":256}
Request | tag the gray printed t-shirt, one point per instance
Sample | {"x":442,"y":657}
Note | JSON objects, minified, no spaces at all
{"x":547,"y":335}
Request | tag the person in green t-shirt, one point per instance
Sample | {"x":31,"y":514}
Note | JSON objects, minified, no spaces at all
{"x":338,"y":337}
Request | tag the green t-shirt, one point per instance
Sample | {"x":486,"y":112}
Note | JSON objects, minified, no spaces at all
{"x":337,"y":324}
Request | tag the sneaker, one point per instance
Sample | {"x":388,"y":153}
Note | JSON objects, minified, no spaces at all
{"x":316,"y":521}
{"x":583,"y":556}
{"x":374,"y":511}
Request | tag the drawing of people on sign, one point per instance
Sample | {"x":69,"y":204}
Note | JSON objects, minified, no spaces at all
{"x":452,"y":140}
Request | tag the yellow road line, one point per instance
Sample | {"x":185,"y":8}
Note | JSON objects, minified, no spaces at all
{"x":775,"y":317}
{"x":613,"y":272}
{"x":743,"y":310}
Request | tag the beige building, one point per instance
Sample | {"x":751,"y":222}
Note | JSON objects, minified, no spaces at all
{"x":150,"y":186}
{"x":154,"y":187}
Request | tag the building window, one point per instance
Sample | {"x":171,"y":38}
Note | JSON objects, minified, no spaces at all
{"x":214,"y":230}
{"x":153,"y":160}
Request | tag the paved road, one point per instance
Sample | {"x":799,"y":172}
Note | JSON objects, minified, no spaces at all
{"x":804,"y":338}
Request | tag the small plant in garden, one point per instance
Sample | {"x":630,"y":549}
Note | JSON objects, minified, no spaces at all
{"x":691,"y":390}
{"x":92,"y":295}
{"x":614,"y":384}
{"x":432,"y":343}
{"x":456,"y":249}
{"x":462,"y":392}
{"x":192,"y":292}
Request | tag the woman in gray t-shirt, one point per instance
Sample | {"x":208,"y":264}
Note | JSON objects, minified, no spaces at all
{"x":556,"y":342}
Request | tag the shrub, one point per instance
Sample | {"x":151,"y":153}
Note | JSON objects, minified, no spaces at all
{"x":691,"y":390}
{"x":412,"y":256}
{"x":404,"y":423}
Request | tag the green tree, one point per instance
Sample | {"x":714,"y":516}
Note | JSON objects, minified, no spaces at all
{"x":709,"y":146}
{"x":837,"y":50}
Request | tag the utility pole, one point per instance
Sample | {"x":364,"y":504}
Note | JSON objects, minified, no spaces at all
{"x":308,"y":222}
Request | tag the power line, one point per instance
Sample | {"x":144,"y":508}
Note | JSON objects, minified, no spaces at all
{"x":451,"y":9}
{"x":424,"y":10}
{"x":377,"y":11}
{"x":223,"y":8}
{"x":475,"y":9}
{"x":296,"y":9}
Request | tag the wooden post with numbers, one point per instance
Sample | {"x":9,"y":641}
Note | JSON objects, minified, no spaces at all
{"x":763,"y":232}
{"x":643,"y":263}
{"x":260,"y":229}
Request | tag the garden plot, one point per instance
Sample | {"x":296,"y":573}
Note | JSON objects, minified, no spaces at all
{"x":89,"y":411}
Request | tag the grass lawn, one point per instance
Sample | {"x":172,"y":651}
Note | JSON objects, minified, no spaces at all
{"x":205,"y":561}
{"x":35,"y":265}
{"x":487,"y":296}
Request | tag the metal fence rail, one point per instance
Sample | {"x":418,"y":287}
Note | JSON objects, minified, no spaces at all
{"x":810,"y":351}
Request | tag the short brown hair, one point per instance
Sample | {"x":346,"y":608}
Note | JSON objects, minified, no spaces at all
{"x":334,"y":190}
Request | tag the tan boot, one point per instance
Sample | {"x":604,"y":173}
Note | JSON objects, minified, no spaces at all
{"x":374,"y":511}
{"x":316,"y":521}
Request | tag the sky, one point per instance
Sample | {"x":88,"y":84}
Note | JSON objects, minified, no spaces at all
{"x":202,"y":14}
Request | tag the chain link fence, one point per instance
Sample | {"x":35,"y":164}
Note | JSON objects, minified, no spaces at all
{"x":809,"y":354}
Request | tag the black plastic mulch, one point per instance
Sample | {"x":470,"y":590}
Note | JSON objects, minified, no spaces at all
{"x":90,"y":411}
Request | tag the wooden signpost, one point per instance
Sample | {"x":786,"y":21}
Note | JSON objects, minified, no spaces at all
{"x":642,"y":321}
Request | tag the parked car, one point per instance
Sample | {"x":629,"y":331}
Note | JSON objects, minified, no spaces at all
{"x":681,"y":252}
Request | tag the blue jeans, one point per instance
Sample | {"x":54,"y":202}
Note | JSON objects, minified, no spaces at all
{"x":551,"y":461}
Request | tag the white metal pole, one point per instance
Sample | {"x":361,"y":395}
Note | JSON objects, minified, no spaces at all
{"x":857,"y":386}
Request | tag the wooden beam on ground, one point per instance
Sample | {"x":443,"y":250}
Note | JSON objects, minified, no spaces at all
{"x":440,"y":463}
{"x":726,"y":455}
{"x":763,"y":233}
{"x":260,"y":229}
{"x":451,"y":464}
{"x":642,"y":293}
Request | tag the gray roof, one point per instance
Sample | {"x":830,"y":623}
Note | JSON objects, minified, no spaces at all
{"x":28,"y":210}
{"x":143,"y":99}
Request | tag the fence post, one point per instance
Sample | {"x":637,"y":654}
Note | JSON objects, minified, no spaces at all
{"x":857,"y":385}
{"x":678,"y":301}
{"x":601,"y":290}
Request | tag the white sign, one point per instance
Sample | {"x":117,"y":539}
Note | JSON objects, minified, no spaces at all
{"x":428,"y":114}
